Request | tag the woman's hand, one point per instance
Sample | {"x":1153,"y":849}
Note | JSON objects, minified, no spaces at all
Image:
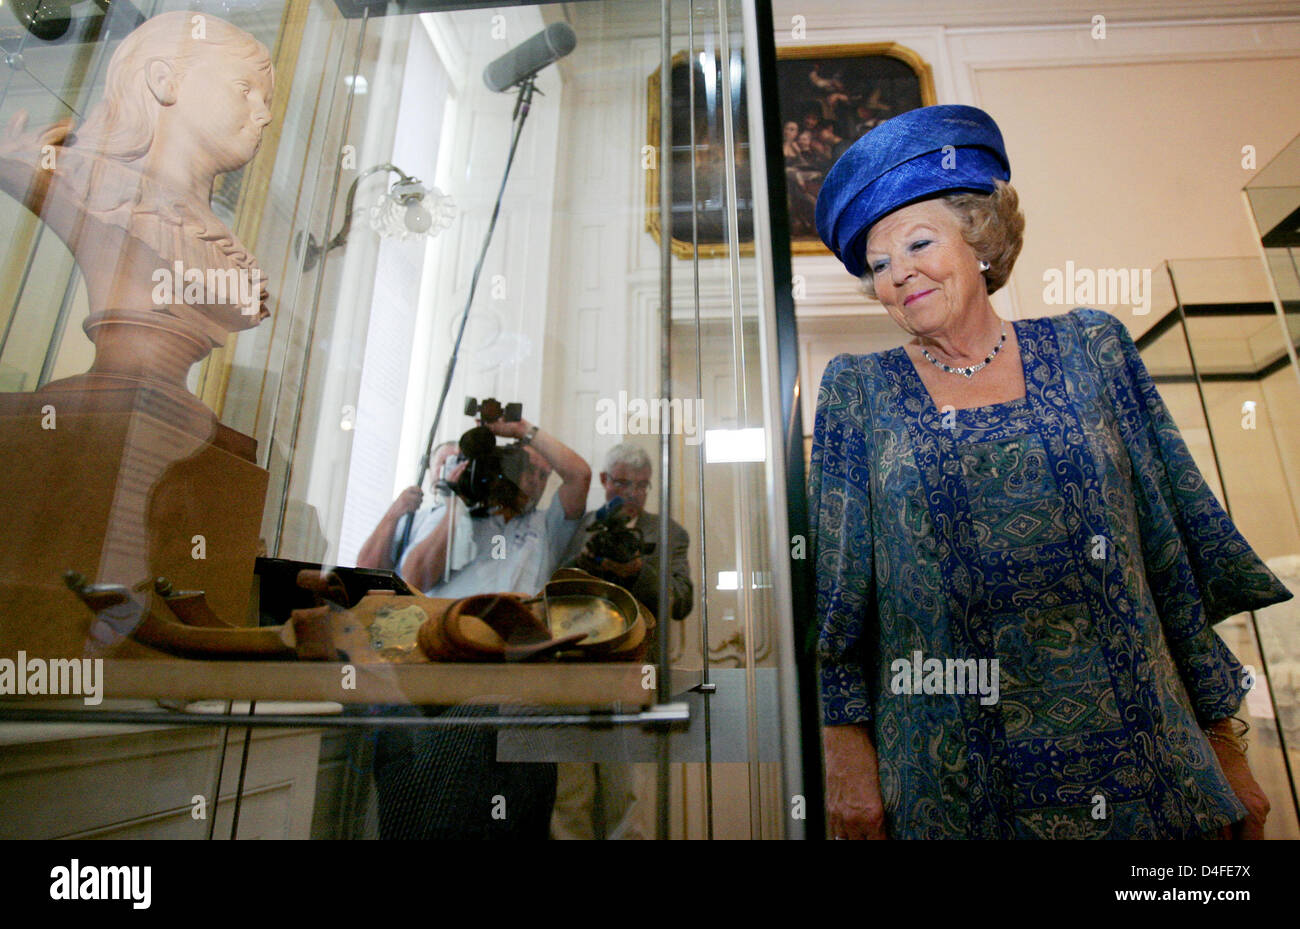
{"x":853,"y":802}
{"x":1243,"y":784}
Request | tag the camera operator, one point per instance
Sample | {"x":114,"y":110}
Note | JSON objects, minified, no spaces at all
{"x":612,"y":799}
{"x":377,"y":552}
{"x":445,"y":783}
{"x":627,"y":476}
{"x":533,"y":540}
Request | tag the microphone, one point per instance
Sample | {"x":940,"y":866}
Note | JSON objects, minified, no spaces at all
{"x":527,"y":58}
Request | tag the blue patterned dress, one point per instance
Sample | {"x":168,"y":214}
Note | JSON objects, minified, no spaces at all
{"x":1069,"y":536}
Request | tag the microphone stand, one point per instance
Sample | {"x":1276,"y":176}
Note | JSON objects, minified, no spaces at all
{"x":523,"y":103}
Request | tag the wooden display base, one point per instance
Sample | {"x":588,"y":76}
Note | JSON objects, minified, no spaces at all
{"x":445,"y":684}
{"x":122,"y":486}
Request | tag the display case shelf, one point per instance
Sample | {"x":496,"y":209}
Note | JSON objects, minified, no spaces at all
{"x":441,"y":684}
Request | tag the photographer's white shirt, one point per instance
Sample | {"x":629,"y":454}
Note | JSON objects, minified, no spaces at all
{"x":510,"y":557}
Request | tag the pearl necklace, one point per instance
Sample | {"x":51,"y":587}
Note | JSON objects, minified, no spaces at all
{"x":969,"y":370}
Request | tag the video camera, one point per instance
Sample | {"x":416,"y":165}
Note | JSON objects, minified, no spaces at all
{"x":490,"y":410}
{"x":611,"y":539}
{"x":492,"y":478}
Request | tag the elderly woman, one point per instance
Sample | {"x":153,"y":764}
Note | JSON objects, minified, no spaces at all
{"x":1018,"y":563}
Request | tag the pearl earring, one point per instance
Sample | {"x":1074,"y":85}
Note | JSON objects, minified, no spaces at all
{"x":984,"y":266}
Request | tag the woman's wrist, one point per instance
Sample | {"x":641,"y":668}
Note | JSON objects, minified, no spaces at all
{"x":1230,"y":731}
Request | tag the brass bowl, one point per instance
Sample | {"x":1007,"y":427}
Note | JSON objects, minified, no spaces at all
{"x":607,"y":613}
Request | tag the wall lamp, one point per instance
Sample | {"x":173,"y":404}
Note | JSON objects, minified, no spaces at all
{"x":405,"y":209}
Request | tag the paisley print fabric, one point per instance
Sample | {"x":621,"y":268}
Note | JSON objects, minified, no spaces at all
{"x":1067,"y":535}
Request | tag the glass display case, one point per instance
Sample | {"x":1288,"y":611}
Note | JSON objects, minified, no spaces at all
{"x":331,"y":333}
{"x":1217,"y":351}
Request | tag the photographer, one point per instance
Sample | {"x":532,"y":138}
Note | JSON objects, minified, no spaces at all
{"x":446,"y":783}
{"x":627,"y":476}
{"x":612,"y":799}
{"x":515,"y":547}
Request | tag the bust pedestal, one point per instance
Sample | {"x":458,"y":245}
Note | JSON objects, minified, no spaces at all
{"x":122,"y":484}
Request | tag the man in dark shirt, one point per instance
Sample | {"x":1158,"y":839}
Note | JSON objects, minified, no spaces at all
{"x":613,"y":799}
{"x":627,"y":476}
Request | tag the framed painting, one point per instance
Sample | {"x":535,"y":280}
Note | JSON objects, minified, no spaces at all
{"x":830,"y":96}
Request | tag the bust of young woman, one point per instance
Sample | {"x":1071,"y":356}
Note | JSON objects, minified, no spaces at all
{"x":187,"y":97}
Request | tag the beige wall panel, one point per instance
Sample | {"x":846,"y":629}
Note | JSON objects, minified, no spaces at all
{"x":1127,"y":165}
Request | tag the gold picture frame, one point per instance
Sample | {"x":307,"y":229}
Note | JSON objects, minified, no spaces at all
{"x":712,"y":243}
{"x":862,"y":86}
{"x":885,"y":78}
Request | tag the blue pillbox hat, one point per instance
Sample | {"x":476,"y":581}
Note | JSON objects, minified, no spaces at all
{"x":901,"y":161}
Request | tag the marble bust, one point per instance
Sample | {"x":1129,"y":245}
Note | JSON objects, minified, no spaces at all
{"x":129,"y":191}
